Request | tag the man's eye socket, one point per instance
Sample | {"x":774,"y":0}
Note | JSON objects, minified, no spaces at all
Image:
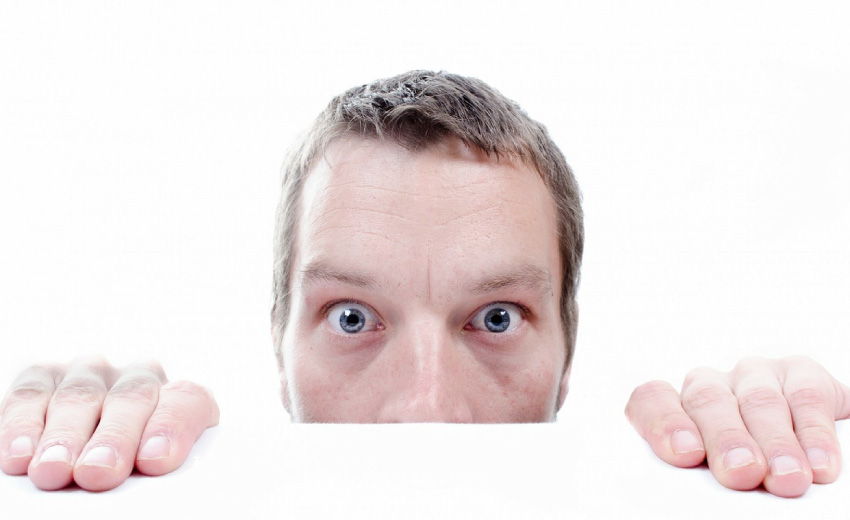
{"x":498,"y":317}
{"x":351,"y":318}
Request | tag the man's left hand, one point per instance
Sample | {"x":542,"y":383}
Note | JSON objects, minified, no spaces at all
{"x":768,"y":422}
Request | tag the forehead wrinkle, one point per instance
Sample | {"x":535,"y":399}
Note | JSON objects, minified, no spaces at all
{"x":353,"y":208}
{"x":321,"y":271}
{"x":528,"y":276}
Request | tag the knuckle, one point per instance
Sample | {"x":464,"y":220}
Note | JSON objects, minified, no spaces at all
{"x":95,"y":367}
{"x":63,"y":434}
{"x":187,"y":388}
{"x":20,"y":423}
{"x":665,"y":424}
{"x":28,"y":391}
{"x":35,"y":383}
{"x":149,"y":367}
{"x":39,"y":371}
{"x":168,"y":415}
{"x":169,"y":421}
{"x":808,"y":397}
{"x":798,"y":361}
{"x":86,"y":390}
{"x":651,"y":391}
{"x":188,"y":405}
{"x":760,"y":398}
{"x":750,"y":361}
{"x":114,"y":434}
{"x":751,"y":364}
{"x":725,"y":437}
{"x":137,"y":388}
{"x":699,"y":396}
{"x":155,"y":368}
{"x":651,"y":395}
{"x":822,"y":434}
{"x":699,"y":376}
{"x":96,"y":363}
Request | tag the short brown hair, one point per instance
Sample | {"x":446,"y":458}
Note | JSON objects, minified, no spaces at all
{"x":416,"y":109}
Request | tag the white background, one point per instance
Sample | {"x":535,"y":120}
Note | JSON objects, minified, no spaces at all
{"x":140,"y":146}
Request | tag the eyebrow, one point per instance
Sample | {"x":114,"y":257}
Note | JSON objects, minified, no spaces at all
{"x":528,"y":276}
{"x":320,"y":271}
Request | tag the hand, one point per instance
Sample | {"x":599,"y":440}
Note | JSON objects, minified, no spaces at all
{"x":90,"y":423}
{"x":768,"y":422}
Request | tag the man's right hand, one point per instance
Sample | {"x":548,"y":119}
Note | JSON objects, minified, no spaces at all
{"x":90,"y":423}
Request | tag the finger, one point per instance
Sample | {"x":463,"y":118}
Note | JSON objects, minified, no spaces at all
{"x":814,"y":399}
{"x":842,"y":400}
{"x":72,"y":415}
{"x":766,"y":414}
{"x":733,"y":456}
{"x":655,"y":410}
{"x":184,"y":411}
{"x":110,"y":455}
{"x":22,"y":422}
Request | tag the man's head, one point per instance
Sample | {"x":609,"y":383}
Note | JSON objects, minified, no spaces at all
{"x":427,"y":255}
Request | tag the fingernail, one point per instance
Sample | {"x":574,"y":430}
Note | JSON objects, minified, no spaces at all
{"x":683,"y":441}
{"x":21,"y":447}
{"x":738,"y":458}
{"x":155,"y":448}
{"x":818,"y":459}
{"x":56,"y":453}
{"x":103,"y":456}
{"x":785,"y":465}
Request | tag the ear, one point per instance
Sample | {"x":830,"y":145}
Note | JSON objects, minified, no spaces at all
{"x":281,"y":370}
{"x":564,"y":387}
{"x":284,"y":384}
{"x":284,"y":392}
{"x":565,"y":378}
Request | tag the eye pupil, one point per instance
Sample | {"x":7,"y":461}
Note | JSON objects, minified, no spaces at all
{"x":352,"y":320}
{"x":497,"y":320}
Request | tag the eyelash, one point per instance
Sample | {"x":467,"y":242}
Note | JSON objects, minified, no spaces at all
{"x":526,"y":312}
{"x":323,"y":312}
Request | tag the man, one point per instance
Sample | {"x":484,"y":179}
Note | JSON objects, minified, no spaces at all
{"x":427,"y":260}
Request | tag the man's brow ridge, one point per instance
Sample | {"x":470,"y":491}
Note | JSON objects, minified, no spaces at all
{"x":321,"y":272}
{"x":530,"y":276}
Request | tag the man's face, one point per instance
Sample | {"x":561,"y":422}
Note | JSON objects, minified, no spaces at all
{"x":426,"y":288}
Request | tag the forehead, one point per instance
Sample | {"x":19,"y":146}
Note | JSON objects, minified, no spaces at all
{"x":445,"y":205}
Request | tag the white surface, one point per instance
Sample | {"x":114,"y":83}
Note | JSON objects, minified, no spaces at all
{"x":262,"y":469}
{"x":139,"y":153}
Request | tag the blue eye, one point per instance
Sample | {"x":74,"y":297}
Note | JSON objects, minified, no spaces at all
{"x":498,"y":317}
{"x":351,"y":318}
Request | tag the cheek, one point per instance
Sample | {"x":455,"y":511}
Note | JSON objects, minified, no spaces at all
{"x":315,"y":391}
{"x":530,"y":394}
{"x":324,"y":391}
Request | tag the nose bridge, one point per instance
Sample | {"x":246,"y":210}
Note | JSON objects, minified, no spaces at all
{"x":430,"y":387}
